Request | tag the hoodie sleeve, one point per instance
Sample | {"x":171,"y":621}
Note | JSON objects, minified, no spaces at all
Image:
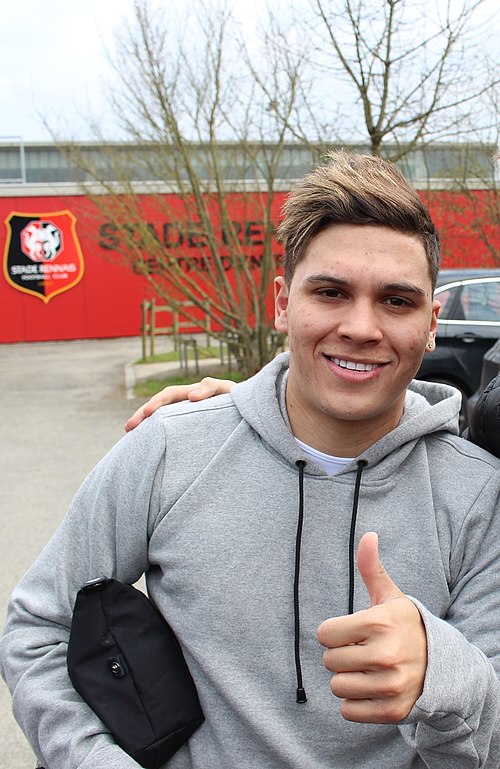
{"x":105,"y":533}
{"x":456,"y":720}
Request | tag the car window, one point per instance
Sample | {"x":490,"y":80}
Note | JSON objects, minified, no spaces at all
{"x":481,"y":301}
{"x":446,"y":298}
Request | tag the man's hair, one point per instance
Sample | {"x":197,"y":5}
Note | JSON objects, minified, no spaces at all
{"x":354,"y":189}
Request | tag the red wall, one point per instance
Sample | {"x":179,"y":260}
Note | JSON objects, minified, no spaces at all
{"x":106,"y":301}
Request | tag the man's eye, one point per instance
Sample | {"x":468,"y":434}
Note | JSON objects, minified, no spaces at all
{"x":331,"y":293}
{"x":397,"y":301}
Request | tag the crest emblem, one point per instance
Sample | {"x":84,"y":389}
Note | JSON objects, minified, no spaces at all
{"x":42,"y":253}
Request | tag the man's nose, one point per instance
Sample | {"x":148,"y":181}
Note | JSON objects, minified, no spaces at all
{"x":360,"y":322}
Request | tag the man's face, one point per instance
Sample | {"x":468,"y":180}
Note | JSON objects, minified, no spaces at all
{"x":359,"y":313}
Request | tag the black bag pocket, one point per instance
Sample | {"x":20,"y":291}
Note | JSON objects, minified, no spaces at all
{"x":126,"y":663}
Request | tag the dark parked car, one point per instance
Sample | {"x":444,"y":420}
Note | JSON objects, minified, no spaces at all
{"x":469,"y":324}
{"x":491,"y":369}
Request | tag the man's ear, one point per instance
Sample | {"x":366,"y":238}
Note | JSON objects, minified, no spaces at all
{"x":436,"y":309}
{"x":280,"y":305}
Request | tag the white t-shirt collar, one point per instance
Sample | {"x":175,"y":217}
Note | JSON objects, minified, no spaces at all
{"x":330,"y":464}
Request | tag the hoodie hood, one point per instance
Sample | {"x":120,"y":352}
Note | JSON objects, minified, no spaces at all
{"x":429,"y":408}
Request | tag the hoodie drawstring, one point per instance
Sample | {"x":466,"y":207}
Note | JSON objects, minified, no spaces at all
{"x":301,"y":693}
{"x":361,"y":465}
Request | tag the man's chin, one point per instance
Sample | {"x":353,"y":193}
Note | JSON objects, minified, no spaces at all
{"x":343,"y":412}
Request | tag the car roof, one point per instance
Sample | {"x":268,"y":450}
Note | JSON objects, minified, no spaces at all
{"x":456,"y":276}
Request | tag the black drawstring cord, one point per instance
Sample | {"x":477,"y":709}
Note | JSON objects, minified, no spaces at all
{"x":361,"y":465}
{"x":301,"y":694}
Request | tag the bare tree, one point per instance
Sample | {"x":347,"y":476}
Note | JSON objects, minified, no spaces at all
{"x":198,"y":131}
{"x":398,"y":77}
{"x":391,"y":74}
{"x":470,"y":207}
{"x":209,"y":118}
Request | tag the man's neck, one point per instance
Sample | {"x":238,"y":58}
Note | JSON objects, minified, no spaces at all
{"x":337,"y":437}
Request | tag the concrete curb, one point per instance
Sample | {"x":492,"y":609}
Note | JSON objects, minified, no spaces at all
{"x":141,"y":372}
{"x":129,"y":376}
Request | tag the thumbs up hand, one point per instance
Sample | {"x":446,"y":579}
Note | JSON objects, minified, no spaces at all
{"x":379,"y":655}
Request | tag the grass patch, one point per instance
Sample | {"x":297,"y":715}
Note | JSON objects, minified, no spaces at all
{"x":150,"y":387}
{"x":203,"y":352}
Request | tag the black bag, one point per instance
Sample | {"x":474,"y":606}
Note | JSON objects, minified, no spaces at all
{"x":126,"y":663}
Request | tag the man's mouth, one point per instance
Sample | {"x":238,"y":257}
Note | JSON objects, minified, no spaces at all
{"x":353,"y":365}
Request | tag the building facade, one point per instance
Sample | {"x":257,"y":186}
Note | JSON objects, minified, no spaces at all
{"x":69,"y":271}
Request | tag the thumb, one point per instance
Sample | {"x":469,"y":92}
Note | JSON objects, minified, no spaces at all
{"x":380,"y":586}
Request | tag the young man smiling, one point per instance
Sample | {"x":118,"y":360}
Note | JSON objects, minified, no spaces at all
{"x":359,"y":314}
{"x":256,"y":518}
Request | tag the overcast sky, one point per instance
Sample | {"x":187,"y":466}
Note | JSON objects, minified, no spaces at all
{"x":53,"y":62}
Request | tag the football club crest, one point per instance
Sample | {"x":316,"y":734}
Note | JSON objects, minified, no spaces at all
{"x":42,"y":253}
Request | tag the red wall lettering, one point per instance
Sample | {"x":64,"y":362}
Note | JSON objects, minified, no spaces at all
{"x":106,"y":299}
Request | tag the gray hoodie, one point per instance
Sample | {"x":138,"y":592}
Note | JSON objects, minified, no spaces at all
{"x":204,"y":499}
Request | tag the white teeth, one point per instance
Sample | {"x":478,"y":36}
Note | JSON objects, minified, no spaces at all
{"x":349,"y":364}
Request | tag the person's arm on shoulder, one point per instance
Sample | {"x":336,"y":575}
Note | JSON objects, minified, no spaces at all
{"x":198,"y":391}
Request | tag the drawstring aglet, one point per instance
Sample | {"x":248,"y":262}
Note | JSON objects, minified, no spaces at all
{"x":301,"y":695}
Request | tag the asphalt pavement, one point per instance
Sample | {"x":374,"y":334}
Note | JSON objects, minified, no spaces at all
{"x":62,"y":406}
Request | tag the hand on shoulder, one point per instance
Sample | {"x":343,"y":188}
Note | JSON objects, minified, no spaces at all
{"x":197,"y":391}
